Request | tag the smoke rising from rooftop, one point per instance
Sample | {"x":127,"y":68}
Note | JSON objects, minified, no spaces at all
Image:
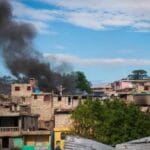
{"x":20,"y":57}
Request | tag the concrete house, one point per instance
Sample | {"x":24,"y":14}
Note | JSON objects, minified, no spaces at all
{"x":43,"y":103}
{"x":19,"y":128}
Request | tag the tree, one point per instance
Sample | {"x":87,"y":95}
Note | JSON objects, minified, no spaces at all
{"x":112,"y":122}
{"x":82,"y":83}
{"x":138,"y":75}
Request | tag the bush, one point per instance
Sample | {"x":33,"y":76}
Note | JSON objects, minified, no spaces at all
{"x":112,"y":122}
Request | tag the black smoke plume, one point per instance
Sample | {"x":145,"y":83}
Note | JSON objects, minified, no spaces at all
{"x":20,"y":57}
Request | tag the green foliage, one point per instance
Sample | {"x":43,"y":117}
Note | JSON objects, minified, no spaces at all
{"x":111,"y":122}
{"x":138,"y":75}
{"x":82,"y":83}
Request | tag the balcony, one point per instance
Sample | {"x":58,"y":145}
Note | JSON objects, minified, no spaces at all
{"x":9,"y":131}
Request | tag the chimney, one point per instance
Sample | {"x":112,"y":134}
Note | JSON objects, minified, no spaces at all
{"x":32,"y":82}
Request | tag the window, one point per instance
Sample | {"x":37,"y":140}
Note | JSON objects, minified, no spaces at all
{"x":146,"y":88}
{"x":84,"y":97}
{"x":75,"y":97}
{"x":17,"y":88}
{"x":46,"y":97}
{"x":35,"y":96}
{"x":5,"y":142}
{"x":63,"y":135}
{"x":69,"y":100}
{"x":59,"y":98}
{"x":28,"y":88}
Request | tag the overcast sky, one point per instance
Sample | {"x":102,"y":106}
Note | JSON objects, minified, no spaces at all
{"x":106,"y":39}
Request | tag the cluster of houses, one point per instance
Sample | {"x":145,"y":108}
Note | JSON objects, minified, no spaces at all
{"x":136,"y":91}
{"x":28,"y":116}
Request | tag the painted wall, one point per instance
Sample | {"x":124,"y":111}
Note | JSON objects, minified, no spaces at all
{"x":36,"y":148}
{"x":58,"y":140}
{"x":37,"y":142}
{"x":31,"y":142}
{"x":18,"y":142}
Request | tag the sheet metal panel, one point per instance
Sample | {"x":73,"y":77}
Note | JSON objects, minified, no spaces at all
{"x":77,"y":143}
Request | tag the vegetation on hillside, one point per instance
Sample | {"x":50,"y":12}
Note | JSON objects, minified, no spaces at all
{"x":112,"y":122}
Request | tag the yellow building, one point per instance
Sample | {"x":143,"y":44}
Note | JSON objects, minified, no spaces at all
{"x":37,"y":140}
{"x":59,"y":137}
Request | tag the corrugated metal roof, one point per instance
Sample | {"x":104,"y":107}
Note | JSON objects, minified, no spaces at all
{"x":139,"y":144}
{"x":78,"y":143}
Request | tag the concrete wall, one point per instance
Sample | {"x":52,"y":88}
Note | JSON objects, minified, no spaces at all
{"x":142,"y":99}
{"x":21,"y":90}
{"x":39,"y":106}
{"x":62,"y":102}
{"x":37,"y":140}
{"x":62,"y":121}
{"x":67,"y":102}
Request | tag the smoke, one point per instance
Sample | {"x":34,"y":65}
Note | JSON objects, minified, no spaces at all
{"x":20,"y":57}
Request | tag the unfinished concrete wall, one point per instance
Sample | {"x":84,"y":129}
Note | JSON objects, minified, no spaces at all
{"x":62,"y":120}
{"x":62,"y":102}
{"x":142,"y":99}
{"x":21,"y":90}
{"x":66,"y":102}
{"x":39,"y":106}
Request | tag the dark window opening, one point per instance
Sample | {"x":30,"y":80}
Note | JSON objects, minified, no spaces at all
{"x":16,"y":122}
{"x":17,"y":88}
{"x":23,"y":121}
{"x":28,"y":88}
{"x":75,"y":97}
{"x":84,"y":97}
{"x":8,"y":122}
{"x":69,"y":100}
{"x":35,"y":96}
{"x":59,"y":98}
{"x":46,"y":97}
{"x":146,"y":88}
{"x":47,"y":123}
{"x":63,"y":136}
{"x":5,"y":142}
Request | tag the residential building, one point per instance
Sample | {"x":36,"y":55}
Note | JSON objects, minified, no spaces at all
{"x":19,"y":128}
{"x":62,"y":118}
{"x":102,"y":90}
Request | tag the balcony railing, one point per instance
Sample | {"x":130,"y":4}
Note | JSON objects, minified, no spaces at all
{"x":10,"y":131}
